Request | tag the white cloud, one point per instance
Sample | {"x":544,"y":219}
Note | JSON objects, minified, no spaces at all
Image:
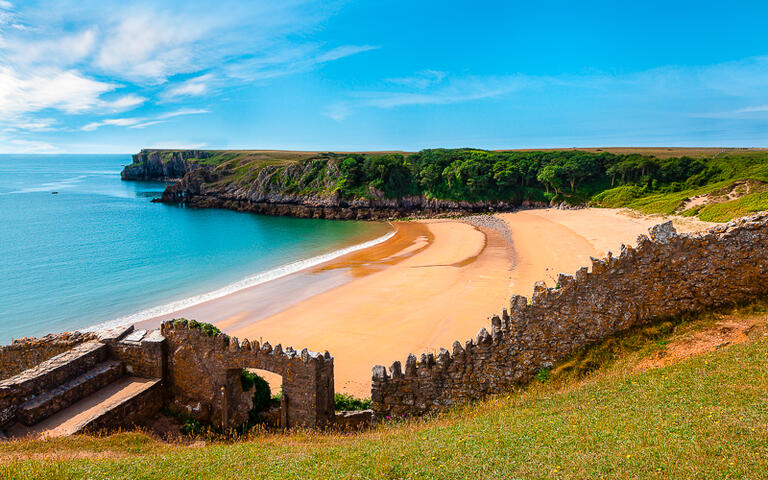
{"x":23,"y":94}
{"x":149,"y":45}
{"x":29,"y":146}
{"x":289,"y":60}
{"x":41,"y":89}
{"x":341,"y":52}
{"x":123,"y":103}
{"x":671,"y":90}
{"x":422,"y":79}
{"x":74,"y":58}
{"x":454,"y":91}
{"x":141,"y":122}
{"x":32,"y":125}
{"x":192,"y":87}
{"x":63,"y":50}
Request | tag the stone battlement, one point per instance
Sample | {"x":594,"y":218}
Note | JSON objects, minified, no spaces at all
{"x":185,"y":366}
{"x":665,"y":275}
{"x":204,"y":377}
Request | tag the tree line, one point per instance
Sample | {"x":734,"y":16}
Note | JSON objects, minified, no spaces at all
{"x":514,"y":176}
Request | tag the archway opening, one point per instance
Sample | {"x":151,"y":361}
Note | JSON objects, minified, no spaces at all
{"x":268,"y":408}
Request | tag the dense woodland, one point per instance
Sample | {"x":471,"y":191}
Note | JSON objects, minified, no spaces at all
{"x":474,"y":175}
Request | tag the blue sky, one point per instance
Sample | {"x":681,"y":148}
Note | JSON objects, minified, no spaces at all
{"x":116,"y":76}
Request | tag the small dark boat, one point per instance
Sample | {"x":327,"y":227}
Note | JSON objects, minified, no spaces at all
{"x":54,"y":193}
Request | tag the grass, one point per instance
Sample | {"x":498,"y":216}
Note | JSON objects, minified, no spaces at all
{"x":746,"y":205}
{"x":594,"y":416}
{"x":731,"y":168}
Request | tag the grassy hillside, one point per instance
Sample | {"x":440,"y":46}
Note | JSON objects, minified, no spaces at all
{"x":603,"y":414}
{"x":713,"y":184}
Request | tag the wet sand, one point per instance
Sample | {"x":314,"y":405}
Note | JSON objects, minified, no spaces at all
{"x":441,"y":286}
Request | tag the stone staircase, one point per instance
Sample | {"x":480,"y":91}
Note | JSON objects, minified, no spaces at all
{"x":84,"y":388}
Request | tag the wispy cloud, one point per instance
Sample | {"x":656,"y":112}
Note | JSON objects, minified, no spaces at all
{"x":456,"y":90}
{"x":190,"y":88}
{"x":52,"y":88}
{"x":75,"y":57}
{"x":675,"y":90}
{"x":288,"y":61}
{"x":140,"y":122}
{"x":30,"y":146}
{"x":757,"y":112}
{"x":422,"y":79}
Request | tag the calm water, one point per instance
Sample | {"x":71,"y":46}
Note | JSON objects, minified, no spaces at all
{"x":99,"y":250}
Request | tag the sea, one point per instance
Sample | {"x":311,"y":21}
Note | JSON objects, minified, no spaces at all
{"x":79,"y":247}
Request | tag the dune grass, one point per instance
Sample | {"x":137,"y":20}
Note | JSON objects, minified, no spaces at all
{"x":595,"y":416}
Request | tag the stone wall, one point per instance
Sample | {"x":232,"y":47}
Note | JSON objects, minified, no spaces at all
{"x":132,"y":412}
{"x":203,"y":377}
{"x":26,"y":353}
{"x":142,"y":352}
{"x":665,"y":275}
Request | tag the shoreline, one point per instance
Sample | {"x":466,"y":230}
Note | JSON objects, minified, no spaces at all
{"x":148,"y":314}
{"x":278,"y":294}
{"x":429,"y":283}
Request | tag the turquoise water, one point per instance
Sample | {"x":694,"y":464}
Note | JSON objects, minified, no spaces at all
{"x":99,"y":250}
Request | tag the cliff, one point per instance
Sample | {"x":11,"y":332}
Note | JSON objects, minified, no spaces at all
{"x":163,"y":165}
{"x":285,"y":183}
{"x":383,"y":185}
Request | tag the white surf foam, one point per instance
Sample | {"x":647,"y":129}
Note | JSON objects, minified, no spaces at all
{"x":247,"y":282}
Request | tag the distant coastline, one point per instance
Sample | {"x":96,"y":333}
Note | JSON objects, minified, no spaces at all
{"x":714,"y":184}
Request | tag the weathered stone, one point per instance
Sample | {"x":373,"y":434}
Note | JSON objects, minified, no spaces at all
{"x":663,"y":232}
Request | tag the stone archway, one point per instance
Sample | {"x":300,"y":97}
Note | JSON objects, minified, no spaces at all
{"x":204,"y":373}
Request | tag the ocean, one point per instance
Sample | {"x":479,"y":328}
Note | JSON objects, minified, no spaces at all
{"x":99,"y":251}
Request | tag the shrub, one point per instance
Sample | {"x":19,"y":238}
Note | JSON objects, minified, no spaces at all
{"x":262,"y":395}
{"x":191,"y":427}
{"x":345,"y":401}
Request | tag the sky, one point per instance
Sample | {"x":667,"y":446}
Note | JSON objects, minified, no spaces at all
{"x":83,"y":76}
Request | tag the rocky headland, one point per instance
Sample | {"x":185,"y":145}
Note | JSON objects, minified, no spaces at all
{"x":208,"y":179}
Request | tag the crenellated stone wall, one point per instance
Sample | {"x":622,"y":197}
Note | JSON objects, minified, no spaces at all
{"x":26,"y":353}
{"x":203,"y":378}
{"x":189,"y":367}
{"x":665,"y":275}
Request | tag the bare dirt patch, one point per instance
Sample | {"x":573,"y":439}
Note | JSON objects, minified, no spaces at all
{"x":728,"y":331}
{"x":732,"y":192}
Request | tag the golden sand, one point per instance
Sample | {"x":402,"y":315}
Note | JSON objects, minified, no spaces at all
{"x":434,"y":282}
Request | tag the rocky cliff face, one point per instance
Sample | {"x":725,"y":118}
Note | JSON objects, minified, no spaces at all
{"x":283,"y":189}
{"x":162,"y":165}
{"x":202,"y":188}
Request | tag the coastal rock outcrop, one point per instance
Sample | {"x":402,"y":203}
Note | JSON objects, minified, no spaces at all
{"x":275,"y":189}
{"x":163,"y":165}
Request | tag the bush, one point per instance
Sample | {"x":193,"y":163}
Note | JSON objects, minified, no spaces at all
{"x":262,"y":395}
{"x":191,"y":427}
{"x":207,"y":328}
{"x":345,"y":401}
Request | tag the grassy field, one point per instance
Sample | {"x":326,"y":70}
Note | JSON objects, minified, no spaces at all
{"x":597,"y":415}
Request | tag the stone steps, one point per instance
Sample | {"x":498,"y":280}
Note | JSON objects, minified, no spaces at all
{"x":56,"y":370}
{"x":69,"y":392}
{"x":106,"y":407}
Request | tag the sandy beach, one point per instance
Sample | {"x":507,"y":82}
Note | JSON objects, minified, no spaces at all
{"x":434,"y":282}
